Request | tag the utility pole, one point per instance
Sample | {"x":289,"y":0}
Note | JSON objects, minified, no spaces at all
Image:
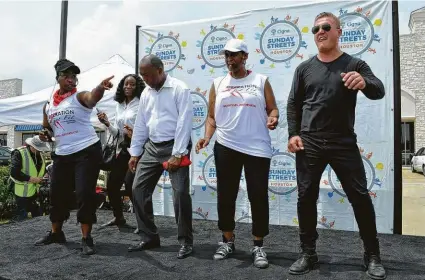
{"x":136,"y":64}
{"x":63,"y":28}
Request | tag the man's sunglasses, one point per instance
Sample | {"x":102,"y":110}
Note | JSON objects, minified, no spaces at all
{"x":325,"y":27}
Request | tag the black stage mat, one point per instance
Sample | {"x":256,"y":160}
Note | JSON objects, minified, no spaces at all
{"x":340,"y":253}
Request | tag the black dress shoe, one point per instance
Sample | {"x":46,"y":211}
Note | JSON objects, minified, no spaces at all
{"x":144,"y":246}
{"x":185,"y":251}
{"x":115,"y":222}
{"x":374,"y":267}
{"x":307,"y":262}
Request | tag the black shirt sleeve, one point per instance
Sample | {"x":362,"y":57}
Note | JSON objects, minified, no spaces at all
{"x":16,"y":166}
{"x":294,"y":106}
{"x":374,"y":87}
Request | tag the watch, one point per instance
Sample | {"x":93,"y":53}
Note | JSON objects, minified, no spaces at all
{"x":177,"y":155}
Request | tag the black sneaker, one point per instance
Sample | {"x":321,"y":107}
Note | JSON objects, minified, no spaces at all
{"x":87,"y":246}
{"x":259,"y":257}
{"x":57,"y":237}
{"x":224,"y":250}
{"x":373,"y":266}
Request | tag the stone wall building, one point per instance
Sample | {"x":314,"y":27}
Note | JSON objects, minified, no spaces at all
{"x":412,"y":66}
{"x":9,"y":88}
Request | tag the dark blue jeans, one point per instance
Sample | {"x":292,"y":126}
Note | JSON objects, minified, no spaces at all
{"x":343,"y":155}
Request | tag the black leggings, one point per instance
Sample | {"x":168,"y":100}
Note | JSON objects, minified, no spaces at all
{"x":119,"y":174}
{"x":79,"y":172}
{"x":229,"y":165}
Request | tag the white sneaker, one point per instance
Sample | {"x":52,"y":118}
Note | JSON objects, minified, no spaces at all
{"x":225,"y":249}
{"x":260,"y":257}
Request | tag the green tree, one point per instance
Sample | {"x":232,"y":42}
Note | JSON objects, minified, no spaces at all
{"x":7,"y":201}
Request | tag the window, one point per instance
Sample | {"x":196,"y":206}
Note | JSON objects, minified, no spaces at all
{"x":28,"y":135}
{"x":407,"y":142}
{"x":3,"y":139}
{"x":420,"y":152}
{"x":5,"y":152}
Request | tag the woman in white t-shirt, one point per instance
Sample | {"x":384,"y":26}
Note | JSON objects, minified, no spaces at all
{"x":242,"y":109}
{"x":78,"y":153}
{"x":127,"y":97}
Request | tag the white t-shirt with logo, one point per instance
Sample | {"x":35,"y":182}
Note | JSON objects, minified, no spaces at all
{"x":240,"y":114}
{"x":71,"y":125}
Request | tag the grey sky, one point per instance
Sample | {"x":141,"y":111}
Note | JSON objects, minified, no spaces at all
{"x":99,"y":29}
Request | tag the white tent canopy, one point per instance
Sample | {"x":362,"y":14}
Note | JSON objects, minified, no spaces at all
{"x":27,"y":109}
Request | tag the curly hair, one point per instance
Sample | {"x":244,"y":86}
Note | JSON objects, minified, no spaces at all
{"x":140,"y":86}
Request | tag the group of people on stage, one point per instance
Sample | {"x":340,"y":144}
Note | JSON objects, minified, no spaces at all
{"x":154,"y":122}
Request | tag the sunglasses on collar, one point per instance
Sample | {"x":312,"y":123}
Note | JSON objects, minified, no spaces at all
{"x":325,"y":27}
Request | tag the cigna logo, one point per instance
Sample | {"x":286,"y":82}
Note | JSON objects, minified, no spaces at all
{"x":164,"y":46}
{"x":279,"y":31}
{"x":218,"y":39}
{"x":352,"y":24}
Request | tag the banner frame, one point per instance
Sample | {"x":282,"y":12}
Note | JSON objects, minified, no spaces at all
{"x":397,"y":168}
{"x":398,"y":180}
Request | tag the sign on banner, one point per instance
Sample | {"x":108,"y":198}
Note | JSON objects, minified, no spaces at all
{"x":278,"y":41}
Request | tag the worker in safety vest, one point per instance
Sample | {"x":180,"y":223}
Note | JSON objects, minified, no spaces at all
{"x":27,"y":171}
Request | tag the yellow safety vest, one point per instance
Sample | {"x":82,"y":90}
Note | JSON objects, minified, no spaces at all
{"x":27,"y":189}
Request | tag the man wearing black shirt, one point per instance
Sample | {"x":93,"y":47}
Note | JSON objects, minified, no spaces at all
{"x":321,"y":114}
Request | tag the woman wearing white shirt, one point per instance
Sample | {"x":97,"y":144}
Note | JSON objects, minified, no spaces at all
{"x":127,"y":95}
{"x":242,"y":109}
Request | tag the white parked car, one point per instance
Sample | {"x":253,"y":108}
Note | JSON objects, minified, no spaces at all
{"x":418,"y":161}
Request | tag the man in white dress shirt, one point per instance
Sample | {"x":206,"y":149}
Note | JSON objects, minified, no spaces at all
{"x":161,"y":133}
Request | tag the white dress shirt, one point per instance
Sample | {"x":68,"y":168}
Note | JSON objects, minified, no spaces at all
{"x":125,"y":114}
{"x":164,"y":115}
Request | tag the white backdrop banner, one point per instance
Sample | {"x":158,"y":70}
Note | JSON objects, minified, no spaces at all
{"x":279,"y":40}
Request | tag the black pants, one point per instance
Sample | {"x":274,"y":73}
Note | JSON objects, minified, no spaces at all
{"x":343,"y":155}
{"x":229,"y":165}
{"x":119,"y":174}
{"x":79,"y":172}
{"x":27,"y":205}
